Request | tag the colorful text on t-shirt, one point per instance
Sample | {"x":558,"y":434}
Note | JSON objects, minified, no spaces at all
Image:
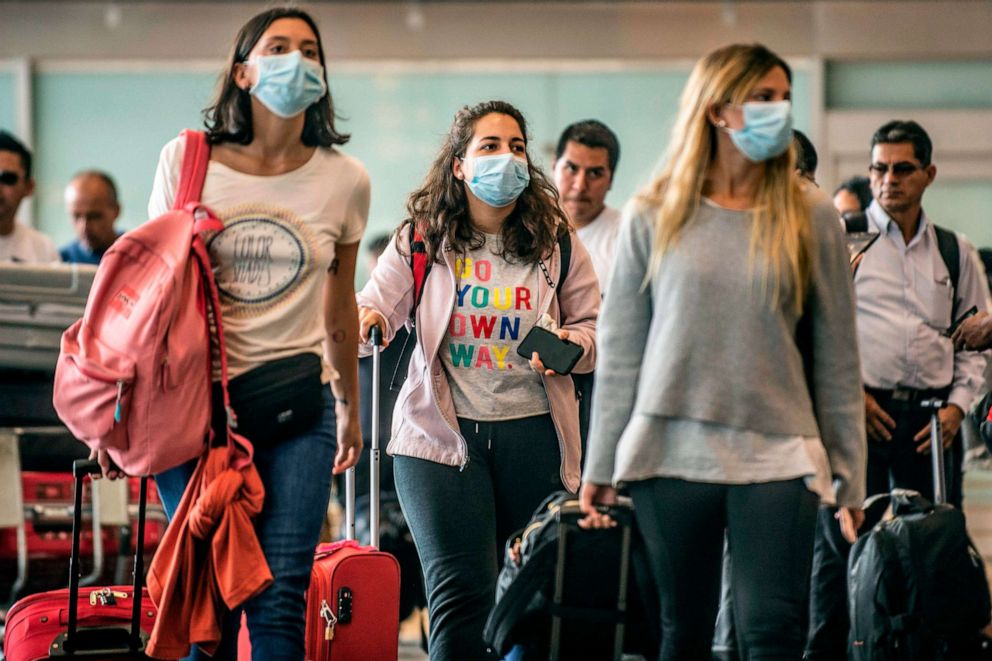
{"x":486,"y":321}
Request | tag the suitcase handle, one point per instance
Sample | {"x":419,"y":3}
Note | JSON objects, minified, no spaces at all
{"x":375,"y":338}
{"x":936,"y":449}
{"x":80,"y":469}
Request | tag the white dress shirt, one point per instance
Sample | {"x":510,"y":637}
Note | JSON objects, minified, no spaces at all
{"x":904,"y":306}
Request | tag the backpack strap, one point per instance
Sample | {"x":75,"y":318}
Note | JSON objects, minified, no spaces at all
{"x":196,"y":158}
{"x":950,"y":252}
{"x":565,"y":247}
{"x":420,"y":266}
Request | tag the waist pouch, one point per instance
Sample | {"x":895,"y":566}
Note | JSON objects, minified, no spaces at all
{"x":275,"y":401}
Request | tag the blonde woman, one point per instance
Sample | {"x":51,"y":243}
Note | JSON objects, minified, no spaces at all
{"x":714,"y":405}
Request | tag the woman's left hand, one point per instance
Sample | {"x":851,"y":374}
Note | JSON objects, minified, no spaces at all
{"x":349,"y":441}
{"x":535,"y":360}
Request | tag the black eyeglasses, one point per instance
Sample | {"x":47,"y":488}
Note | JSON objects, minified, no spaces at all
{"x":9,"y":177}
{"x":901,"y":169}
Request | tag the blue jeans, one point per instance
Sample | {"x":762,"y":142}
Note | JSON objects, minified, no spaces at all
{"x":297,"y":478}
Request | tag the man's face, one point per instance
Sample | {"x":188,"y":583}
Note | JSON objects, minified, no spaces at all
{"x":583,"y":178}
{"x":14,"y":186}
{"x":897,"y":178}
{"x":92,"y":210}
{"x":845,"y":202}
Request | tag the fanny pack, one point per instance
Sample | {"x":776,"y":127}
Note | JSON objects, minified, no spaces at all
{"x":275,"y":401}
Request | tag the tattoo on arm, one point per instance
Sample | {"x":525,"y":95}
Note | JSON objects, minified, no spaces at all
{"x":333,"y":268}
{"x":338,"y":336}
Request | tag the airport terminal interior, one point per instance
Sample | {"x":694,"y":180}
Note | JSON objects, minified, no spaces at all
{"x":96,"y":91}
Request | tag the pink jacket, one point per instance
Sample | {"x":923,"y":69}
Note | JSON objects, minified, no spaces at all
{"x":424,"y":421}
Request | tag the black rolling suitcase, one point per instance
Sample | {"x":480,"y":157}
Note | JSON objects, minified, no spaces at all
{"x":917,"y":589}
{"x":573,"y":594}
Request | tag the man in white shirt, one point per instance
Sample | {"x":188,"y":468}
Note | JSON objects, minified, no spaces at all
{"x":585,"y":161}
{"x":18,"y":242}
{"x":913,"y":282}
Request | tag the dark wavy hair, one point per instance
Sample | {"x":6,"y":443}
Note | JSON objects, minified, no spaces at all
{"x":229,"y":118}
{"x":439,"y":209}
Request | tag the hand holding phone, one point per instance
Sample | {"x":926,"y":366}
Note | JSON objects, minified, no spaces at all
{"x":972,"y":311}
{"x":556,"y":354}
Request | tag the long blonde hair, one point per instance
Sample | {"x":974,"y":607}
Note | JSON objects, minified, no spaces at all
{"x":780,"y":228}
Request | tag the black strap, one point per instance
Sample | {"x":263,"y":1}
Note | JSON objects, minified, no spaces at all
{"x":950,"y":252}
{"x":565,"y":247}
{"x":607,"y":615}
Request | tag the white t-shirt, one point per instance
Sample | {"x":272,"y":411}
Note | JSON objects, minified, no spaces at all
{"x":278,"y":242}
{"x":600,"y":239}
{"x":27,"y":245}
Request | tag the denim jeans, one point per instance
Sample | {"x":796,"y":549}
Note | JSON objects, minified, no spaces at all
{"x":461,"y":519}
{"x":297,"y":478}
{"x":769,"y":528}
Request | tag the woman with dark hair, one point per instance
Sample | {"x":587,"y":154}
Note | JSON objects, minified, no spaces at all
{"x":294,"y":209}
{"x":480,"y":436}
{"x":728,"y":393}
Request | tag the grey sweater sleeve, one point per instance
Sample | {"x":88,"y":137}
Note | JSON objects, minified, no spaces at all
{"x":838,"y":397}
{"x":622,"y":333}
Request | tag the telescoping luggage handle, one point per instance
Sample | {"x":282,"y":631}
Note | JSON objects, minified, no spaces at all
{"x":80,"y":469}
{"x":936,"y":449}
{"x":937,"y":458}
{"x":375,"y":337}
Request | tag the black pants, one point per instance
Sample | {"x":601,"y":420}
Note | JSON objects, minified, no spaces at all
{"x":828,"y":619}
{"x":769,"y":529}
{"x":461,"y":519}
{"x":897,"y":464}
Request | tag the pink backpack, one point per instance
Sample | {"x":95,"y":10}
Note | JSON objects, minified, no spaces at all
{"x":133,"y":375}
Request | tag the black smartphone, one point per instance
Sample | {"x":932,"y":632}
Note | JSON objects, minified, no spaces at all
{"x":556,"y":354}
{"x":859,"y":245}
{"x":972,"y":311}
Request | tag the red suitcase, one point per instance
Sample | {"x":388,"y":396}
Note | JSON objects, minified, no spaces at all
{"x":92,"y":622}
{"x":353,"y":604}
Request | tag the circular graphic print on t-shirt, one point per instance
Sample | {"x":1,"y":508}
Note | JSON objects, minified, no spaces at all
{"x":260,"y":259}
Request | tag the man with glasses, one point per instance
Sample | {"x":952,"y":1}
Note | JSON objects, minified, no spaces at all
{"x":914,"y":281}
{"x":18,"y":242}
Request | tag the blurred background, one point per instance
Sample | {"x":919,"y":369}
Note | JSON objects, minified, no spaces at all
{"x":106,"y":84}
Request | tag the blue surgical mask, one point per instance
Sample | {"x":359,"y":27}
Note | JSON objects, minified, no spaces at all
{"x":767,"y":131}
{"x":498,"y":180}
{"x":288,"y":84}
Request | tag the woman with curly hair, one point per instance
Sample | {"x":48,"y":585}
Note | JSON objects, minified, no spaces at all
{"x":480,"y":436}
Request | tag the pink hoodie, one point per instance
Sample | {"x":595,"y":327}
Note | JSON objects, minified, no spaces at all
{"x":424,"y":421}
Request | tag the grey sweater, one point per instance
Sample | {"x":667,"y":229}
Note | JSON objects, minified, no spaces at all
{"x":701,"y":343}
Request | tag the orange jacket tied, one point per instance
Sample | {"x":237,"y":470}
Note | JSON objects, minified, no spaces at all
{"x":210,"y":558}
